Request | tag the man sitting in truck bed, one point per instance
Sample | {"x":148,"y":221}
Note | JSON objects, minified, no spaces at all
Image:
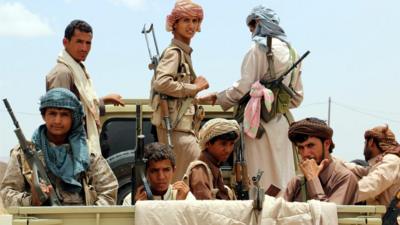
{"x":160,"y":168}
{"x":325,"y":178}
{"x":76,"y":177}
{"x":379,"y":182}
{"x":217,"y":140}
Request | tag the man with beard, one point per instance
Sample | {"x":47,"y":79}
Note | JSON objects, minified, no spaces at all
{"x":325,"y":178}
{"x":379,"y":182}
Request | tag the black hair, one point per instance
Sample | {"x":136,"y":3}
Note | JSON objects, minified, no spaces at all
{"x":77,"y":24}
{"x":229,"y":136}
{"x":157,"y":151}
{"x":252,"y":23}
{"x":300,"y":138}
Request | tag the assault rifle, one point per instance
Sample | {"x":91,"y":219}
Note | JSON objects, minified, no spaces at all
{"x":242,"y":178}
{"x":277,"y":82}
{"x":138,"y":177}
{"x":257,"y":192}
{"x":392,"y":212}
{"x":39,"y":174}
{"x":163,"y":98}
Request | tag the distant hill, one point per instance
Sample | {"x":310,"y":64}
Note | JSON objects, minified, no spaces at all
{"x":4,"y":159}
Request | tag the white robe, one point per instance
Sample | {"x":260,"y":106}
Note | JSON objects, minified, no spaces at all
{"x":169,"y":195}
{"x":273,"y":152}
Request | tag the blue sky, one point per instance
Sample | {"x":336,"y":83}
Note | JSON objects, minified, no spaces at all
{"x":354,"y":55}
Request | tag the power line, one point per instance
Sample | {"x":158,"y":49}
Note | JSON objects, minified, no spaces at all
{"x":364,"y":113}
{"x":23,"y":113}
{"x":367,"y":109}
{"x":312,"y":104}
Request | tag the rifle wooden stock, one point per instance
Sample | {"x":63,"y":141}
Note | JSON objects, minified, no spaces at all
{"x":245,"y":177}
{"x":39,"y":174}
{"x":166,"y":118}
{"x":241,"y":176}
{"x":238,"y":172}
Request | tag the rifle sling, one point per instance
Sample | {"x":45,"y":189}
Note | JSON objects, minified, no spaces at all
{"x":270,"y":58}
{"x":182,"y":68}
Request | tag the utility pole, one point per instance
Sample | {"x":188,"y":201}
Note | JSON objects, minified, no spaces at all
{"x":329,"y":111}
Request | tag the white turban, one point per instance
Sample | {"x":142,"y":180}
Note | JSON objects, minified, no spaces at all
{"x":217,"y":127}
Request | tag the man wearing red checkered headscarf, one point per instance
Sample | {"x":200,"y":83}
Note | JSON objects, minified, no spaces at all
{"x":185,"y":8}
{"x":176,"y":80}
{"x":379,"y":182}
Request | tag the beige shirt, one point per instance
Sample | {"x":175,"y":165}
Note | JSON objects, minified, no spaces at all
{"x":335,"y":184}
{"x":61,"y":77}
{"x":166,"y":81}
{"x":380,"y":182}
{"x":15,"y":190}
{"x":171,"y":81}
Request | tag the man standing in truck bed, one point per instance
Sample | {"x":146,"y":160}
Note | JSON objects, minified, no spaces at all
{"x":267,"y":145}
{"x":70,"y":73}
{"x":175,"y":79}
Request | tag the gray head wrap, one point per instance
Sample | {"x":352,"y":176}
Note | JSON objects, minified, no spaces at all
{"x":268,"y":25}
{"x":63,"y":98}
{"x":58,"y":160}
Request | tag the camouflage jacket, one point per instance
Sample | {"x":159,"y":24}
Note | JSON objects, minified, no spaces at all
{"x":99,"y":183}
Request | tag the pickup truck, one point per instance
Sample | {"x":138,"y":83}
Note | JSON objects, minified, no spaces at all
{"x":118,"y":138}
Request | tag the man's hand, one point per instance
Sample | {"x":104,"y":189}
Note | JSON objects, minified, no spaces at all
{"x":46,"y":189}
{"x":140,"y":194}
{"x":210,"y":98}
{"x":201,"y":83}
{"x":114,"y":99}
{"x":182,"y":189}
{"x":311,"y":169}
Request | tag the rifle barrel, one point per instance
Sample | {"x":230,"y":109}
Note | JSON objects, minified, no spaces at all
{"x":154,"y":39}
{"x":7,"y":104}
{"x":296,"y":63}
{"x":39,"y":173}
